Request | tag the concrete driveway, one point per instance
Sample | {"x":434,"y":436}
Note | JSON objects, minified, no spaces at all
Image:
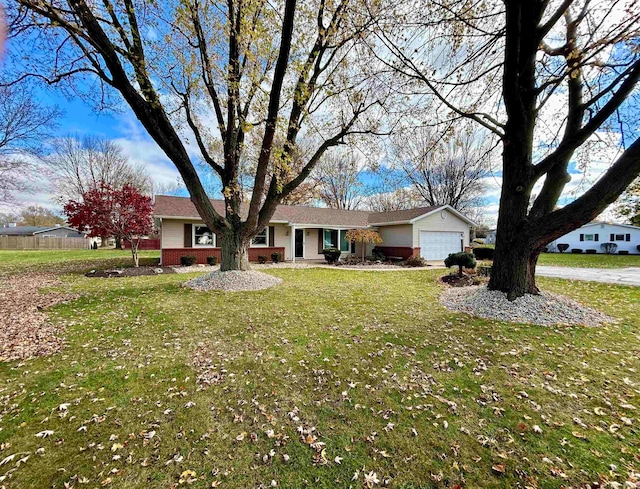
{"x":618,"y":276}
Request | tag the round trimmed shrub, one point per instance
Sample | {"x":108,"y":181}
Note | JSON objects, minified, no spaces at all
{"x":461,"y":260}
{"x":577,"y":251}
{"x":623,"y":252}
{"x":187,"y":260}
{"x":212,"y":261}
{"x":276,"y":257}
{"x":483,"y":252}
{"x":332,"y":255}
{"x":262,"y":259}
{"x":562,"y":247}
{"x":591,"y":251}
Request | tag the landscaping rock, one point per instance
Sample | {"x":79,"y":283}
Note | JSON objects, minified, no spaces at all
{"x":234,"y":280}
{"x":545,"y":309}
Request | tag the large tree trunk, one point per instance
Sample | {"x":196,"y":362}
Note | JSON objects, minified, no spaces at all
{"x":235,"y":251}
{"x":514,"y":269}
{"x":103,"y":241}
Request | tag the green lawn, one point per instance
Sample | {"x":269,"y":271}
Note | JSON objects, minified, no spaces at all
{"x":589,"y":261}
{"x":377,"y":376}
{"x":12,"y":261}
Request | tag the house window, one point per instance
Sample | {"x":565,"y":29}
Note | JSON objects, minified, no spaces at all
{"x":330,"y":238}
{"x":346,"y":245}
{"x":588,"y":237}
{"x":619,"y":237}
{"x":261,"y":239}
{"x":202,"y":236}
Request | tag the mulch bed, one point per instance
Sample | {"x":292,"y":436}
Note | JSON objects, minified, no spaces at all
{"x":130,"y":272}
{"x":457,"y":281}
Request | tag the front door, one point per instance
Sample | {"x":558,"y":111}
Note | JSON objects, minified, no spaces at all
{"x":299,"y":243}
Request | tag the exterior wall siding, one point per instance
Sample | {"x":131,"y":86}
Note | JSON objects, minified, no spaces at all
{"x":172,"y":232}
{"x":398,"y":235}
{"x":604,"y":232}
{"x":281,"y":239}
{"x":435,"y":222}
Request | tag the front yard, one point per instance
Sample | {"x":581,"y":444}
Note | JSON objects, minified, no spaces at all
{"x":333,"y":379}
{"x":599,"y":260}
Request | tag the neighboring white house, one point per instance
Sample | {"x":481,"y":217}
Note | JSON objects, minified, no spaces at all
{"x":594,"y":235}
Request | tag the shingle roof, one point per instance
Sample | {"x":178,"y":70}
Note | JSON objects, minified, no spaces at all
{"x":27,"y":230}
{"x":400,"y":216}
{"x":182,"y":207}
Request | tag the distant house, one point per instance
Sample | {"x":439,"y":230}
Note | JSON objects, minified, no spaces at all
{"x":594,"y":234}
{"x":42,"y":231}
{"x":490,"y":238}
{"x":301,"y":233}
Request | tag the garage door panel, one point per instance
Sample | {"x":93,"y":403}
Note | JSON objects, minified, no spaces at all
{"x":437,"y":245}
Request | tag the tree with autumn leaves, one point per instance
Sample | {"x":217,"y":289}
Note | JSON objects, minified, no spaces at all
{"x":363,"y":236}
{"x":107,"y":211}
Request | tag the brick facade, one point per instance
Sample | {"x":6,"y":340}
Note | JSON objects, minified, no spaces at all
{"x":171,"y":256}
{"x":403,"y":251}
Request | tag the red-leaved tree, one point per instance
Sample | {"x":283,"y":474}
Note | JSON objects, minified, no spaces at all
{"x":107,"y":211}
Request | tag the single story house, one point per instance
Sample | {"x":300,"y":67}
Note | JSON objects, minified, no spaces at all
{"x":42,"y":231}
{"x":302,"y":232}
{"x":594,"y":234}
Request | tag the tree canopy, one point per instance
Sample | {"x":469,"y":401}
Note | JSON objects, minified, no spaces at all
{"x":554,"y":81}
{"x":214,"y":74}
{"x":106,"y":211}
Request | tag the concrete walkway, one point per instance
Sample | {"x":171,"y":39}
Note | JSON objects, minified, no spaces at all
{"x":618,"y":276}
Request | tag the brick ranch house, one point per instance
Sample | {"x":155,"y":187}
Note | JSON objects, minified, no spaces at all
{"x":301,"y":232}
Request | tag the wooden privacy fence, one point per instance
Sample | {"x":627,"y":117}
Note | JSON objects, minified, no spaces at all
{"x":37,"y":243}
{"x":143,"y":244}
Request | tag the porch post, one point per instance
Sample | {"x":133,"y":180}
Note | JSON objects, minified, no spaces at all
{"x":293,"y":243}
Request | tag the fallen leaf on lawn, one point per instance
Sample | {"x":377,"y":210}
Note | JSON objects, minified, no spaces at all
{"x":499,"y":468}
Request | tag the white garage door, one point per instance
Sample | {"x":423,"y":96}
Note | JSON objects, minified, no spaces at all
{"x":437,"y":245}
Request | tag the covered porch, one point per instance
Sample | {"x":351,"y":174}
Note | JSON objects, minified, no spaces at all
{"x":307,"y":241}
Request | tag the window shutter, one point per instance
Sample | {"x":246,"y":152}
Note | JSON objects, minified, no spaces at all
{"x":582,"y":237}
{"x":216,"y":239}
{"x":320,"y":240}
{"x":188,"y":235}
{"x":597,"y":237}
{"x":272,"y":235}
{"x":627,"y":237}
{"x":612,"y":237}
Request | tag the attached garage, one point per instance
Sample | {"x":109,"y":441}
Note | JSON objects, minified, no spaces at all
{"x":437,"y":245}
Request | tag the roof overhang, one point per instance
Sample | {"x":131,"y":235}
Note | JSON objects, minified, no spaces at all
{"x":58,"y":227}
{"x":627,"y":226}
{"x":332,"y":226}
